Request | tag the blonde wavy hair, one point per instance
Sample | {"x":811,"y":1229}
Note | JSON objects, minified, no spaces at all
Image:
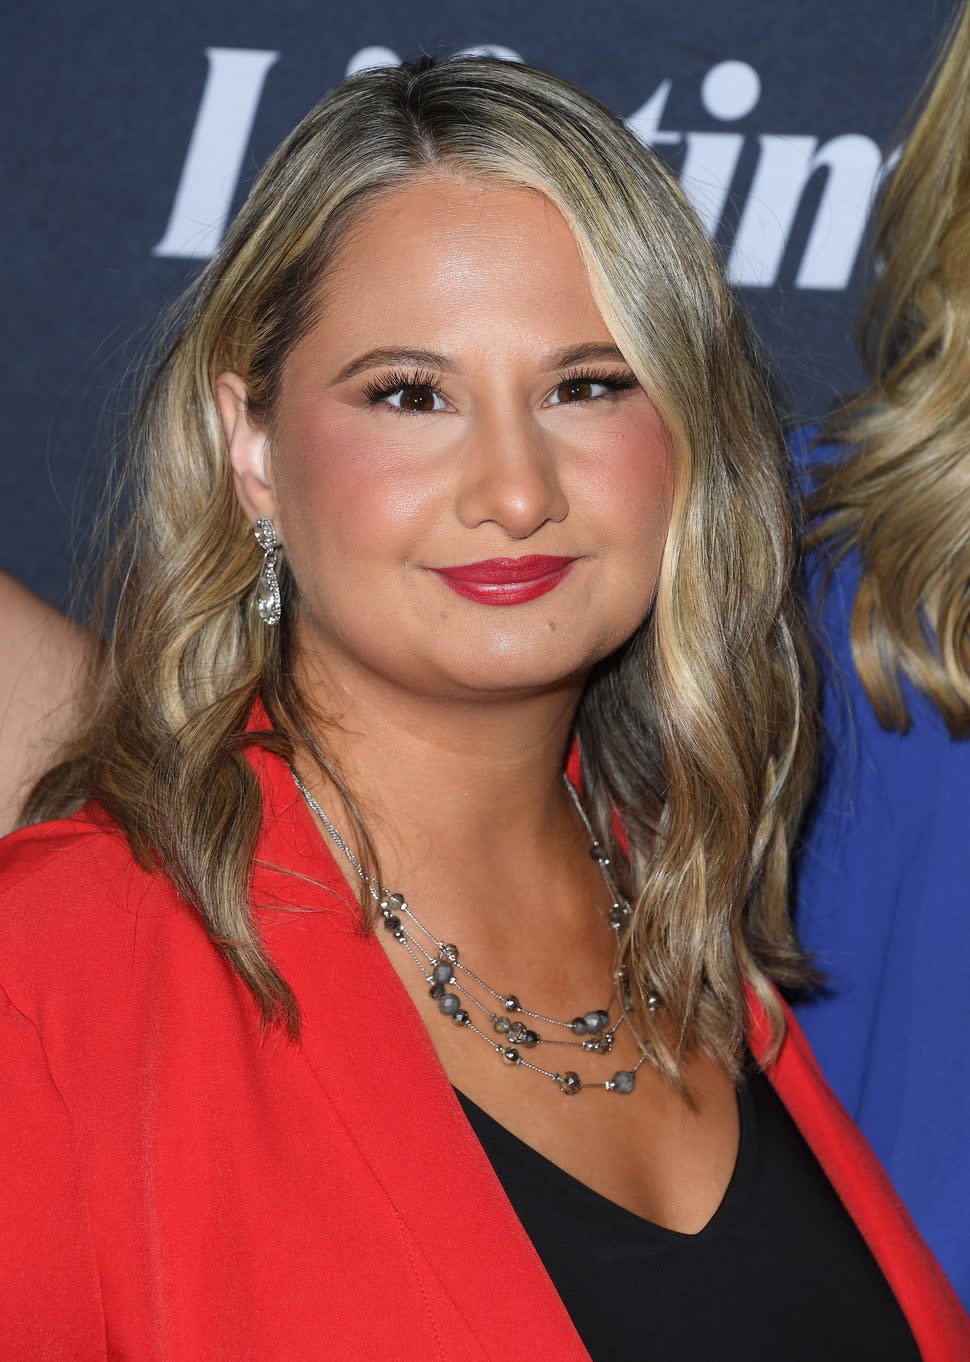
{"x":694,"y":733}
{"x":900,"y":499}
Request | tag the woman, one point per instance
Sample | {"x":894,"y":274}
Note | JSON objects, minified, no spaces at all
{"x":882,"y":882}
{"x":466,"y":367}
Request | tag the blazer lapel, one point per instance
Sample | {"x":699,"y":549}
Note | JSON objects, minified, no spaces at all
{"x":938,"y":1321}
{"x":370,"y":1050}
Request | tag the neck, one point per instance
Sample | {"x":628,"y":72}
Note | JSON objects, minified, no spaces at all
{"x":456,"y":767}
{"x":466,"y":809}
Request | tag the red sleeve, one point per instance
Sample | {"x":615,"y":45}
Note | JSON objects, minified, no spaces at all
{"x":50,"y":1303}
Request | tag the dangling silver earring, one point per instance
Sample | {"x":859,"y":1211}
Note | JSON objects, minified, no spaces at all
{"x":269,"y":605}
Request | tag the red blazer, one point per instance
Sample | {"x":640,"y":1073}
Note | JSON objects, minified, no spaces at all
{"x":177,"y":1187}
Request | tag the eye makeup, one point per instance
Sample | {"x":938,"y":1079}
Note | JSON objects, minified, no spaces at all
{"x":573,"y":388}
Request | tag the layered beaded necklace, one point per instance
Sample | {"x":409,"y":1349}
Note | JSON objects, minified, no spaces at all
{"x":446,"y":973}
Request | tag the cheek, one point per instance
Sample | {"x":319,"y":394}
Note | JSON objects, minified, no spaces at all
{"x":647,"y":486}
{"x":340,"y":490}
{"x":631,"y":486}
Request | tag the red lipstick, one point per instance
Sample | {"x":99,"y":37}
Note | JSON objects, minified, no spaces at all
{"x":506,"y":581}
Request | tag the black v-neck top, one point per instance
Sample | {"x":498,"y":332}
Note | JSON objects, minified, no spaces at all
{"x":779,"y":1271}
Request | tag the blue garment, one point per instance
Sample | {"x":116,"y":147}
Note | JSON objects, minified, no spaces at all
{"x":883,"y":901}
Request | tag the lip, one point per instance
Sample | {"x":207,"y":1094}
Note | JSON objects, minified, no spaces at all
{"x":506,"y":581}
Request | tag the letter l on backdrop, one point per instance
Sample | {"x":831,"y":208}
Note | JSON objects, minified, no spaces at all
{"x":214,"y":159}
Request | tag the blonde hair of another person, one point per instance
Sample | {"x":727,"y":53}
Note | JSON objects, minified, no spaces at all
{"x":901,"y":498}
{"x":695,"y":734}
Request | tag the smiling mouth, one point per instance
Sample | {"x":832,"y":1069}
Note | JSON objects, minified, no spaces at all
{"x":506,"y":581}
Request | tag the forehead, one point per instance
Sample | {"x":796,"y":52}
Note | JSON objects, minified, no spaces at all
{"x":460,"y":203}
{"x":448,"y":252}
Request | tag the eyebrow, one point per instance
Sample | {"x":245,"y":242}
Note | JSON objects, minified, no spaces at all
{"x":373,"y":359}
{"x":432,"y":359}
{"x":582,"y":354}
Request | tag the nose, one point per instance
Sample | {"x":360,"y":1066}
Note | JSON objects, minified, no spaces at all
{"x":511,"y":477}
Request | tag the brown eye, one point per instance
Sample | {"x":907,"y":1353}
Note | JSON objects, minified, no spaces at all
{"x":413,"y":393}
{"x":417,"y":397}
{"x":575,"y":390}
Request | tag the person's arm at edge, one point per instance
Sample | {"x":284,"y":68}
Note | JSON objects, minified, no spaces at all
{"x":45,"y":662}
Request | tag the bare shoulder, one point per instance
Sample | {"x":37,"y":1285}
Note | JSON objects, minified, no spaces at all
{"x":45,"y":662}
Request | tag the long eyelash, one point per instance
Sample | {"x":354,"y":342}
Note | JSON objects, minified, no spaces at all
{"x":617,"y":383}
{"x":383,"y":385}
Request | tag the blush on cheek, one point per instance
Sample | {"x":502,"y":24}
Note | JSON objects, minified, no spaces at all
{"x":635,"y":480}
{"x":319,"y":459}
{"x":344,"y":495}
{"x":655,"y":460}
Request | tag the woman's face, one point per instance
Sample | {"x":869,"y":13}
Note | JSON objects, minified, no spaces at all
{"x":472,"y":490}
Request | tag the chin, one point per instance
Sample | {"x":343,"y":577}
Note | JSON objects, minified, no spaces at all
{"x":504,"y":675}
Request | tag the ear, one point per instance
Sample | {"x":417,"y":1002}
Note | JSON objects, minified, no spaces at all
{"x":249,"y":450}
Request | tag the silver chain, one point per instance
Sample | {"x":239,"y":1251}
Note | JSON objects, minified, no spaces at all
{"x":595,"y":1023}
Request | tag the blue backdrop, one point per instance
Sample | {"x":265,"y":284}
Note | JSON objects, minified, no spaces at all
{"x":132,"y":131}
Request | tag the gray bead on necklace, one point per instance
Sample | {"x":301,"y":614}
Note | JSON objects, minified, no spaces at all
{"x":591,"y":1031}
